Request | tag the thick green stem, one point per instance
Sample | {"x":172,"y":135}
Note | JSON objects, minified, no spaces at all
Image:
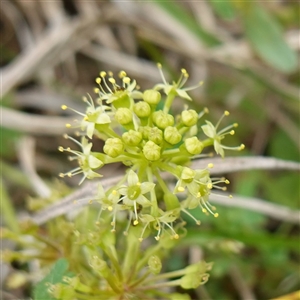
{"x":169,"y":102}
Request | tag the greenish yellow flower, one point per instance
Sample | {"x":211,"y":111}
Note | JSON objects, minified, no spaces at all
{"x":161,"y":223}
{"x":94,"y":116}
{"x":133,"y":193}
{"x":119,"y":96}
{"x":86,"y":159}
{"x":176,"y":88}
{"x":217,"y":136}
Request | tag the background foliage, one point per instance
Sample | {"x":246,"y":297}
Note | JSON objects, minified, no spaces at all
{"x":247,"y":54}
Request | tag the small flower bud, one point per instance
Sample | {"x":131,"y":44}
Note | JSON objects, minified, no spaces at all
{"x":193,"y":145}
{"x":145,"y":130}
{"x":151,"y":151}
{"x":155,"y":135}
{"x":192,"y":281}
{"x":172,"y":135}
{"x":142,"y":109}
{"x":132,"y":138}
{"x":113,"y":147}
{"x":152,"y":96}
{"x":123,"y":116}
{"x":100,"y":265}
{"x":162,"y":120}
{"x":154,"y":264}
{"x":189,"y":117}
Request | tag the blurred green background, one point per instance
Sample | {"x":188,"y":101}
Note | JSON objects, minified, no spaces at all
{"x":247,"y":54}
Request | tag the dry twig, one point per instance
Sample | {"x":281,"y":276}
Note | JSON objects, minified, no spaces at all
{"x":87,"y":192}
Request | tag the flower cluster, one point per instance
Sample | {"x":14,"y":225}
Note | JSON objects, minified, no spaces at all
{"x":140,"y":131}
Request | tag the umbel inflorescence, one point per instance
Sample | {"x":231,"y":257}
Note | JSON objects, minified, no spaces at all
{"x":140,"y":131}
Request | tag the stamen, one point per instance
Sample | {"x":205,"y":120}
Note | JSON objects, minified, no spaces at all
{"x":191,"y":216}
{"x":159,"y":66}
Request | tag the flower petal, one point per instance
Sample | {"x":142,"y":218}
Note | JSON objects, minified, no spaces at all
{"x":132,"y":178}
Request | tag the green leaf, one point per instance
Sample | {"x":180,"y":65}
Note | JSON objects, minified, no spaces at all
{"x":56,"y":275}
{"x":266,"y":38}
{"x":179,"y":13}
{"x":224,"y":9}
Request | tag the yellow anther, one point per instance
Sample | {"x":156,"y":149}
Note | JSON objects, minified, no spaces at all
{"x":122,"y":74}
{"x":204,"y":210}
{"x":226,"y":113}
{"x":110,"y":208}
{"x":114,"y":192}
{"x":227,"y":181}
{"x":102,"y":74}
{"x":232,"y":132}
{"x":61,"y":149}
{"x":64,"y":107}
{"x":235,"y":125}
{"x":159,"y":65}
{"x":65,"y":136}
{"x":176,"y":236}
{"x":157,"y":238}
{"x":98,"y":80}
{"x":224,"y":188}
{"x":180,"y":189}
{"x":61,"y":175}
{"x":126,"y":80}
{"x":96,"y":90}
{"x":206,"y":110}
{"x":201,"y":83}
{"x":110,"y":73}
{"x":242,"y":147}
{"x":112,"y":80}
{"x":198,"y":195}
{"x":230,"y":196}
{"x":140,"y":239}
{"x":210,"y":165}
{"x":68,"y":125}
{"x":216,"y":215}
{"x":135,"y":222}
{"x":198,"y":222}
{"x":209,"y":186}
{"x":69,"y":175}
